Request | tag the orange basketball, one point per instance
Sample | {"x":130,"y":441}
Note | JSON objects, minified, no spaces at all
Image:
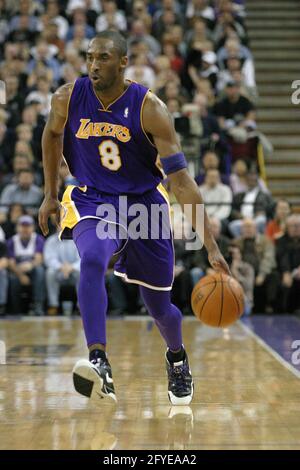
{"x":218,"y":300}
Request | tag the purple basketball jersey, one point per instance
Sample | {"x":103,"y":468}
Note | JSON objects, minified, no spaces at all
{"x":107,"y":148}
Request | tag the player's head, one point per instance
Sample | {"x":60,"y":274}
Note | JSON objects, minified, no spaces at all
{"x":106,"y":59}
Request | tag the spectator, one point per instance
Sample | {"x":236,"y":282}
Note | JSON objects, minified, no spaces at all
{"x":3,"y":278}
{"x":139,"y":33}
{"x":244,"y":273}
{"x":258,"y":251}
{"x":210,"y":160}
{"x":200,"y":263}
{"x":200,"y":8}
{"x":288,"y":259}
{"x":23,"y":192}
{"x":25,"y":262}
{"x":42,"y":95}
{"x":234,"y":109}
{"x":79,"y":18}
{"x":140,"y":71}
{"x":211,"y":137}
{"x":62,"y":268}
{"x":276,"y":227}
{"x":111,"y":18}
{"x":44,"y":53}
{"x":251,"y":204}
{"x":215,"y":193}
{"x":238,"y":177}
{"x":10,"y":225}
{"x":53,"y":14}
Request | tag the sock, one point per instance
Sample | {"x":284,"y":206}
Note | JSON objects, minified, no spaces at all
{"x":176,"y":356}
{"x":166,"y":315}
{"x":97,"y":354}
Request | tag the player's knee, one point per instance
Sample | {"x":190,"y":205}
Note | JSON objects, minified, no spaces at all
{"x":93,"y":259}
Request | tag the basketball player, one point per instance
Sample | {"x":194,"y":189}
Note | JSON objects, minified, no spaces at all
{"x":110,"y":132}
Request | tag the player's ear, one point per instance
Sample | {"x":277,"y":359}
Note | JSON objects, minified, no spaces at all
{"x":123,"y":62}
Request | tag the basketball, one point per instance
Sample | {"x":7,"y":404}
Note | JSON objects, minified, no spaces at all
{"x":218,"y":300}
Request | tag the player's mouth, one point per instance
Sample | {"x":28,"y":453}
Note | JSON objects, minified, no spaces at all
{"x":95,"y":78}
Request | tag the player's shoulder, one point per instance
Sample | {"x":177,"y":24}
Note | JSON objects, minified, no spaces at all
{"x":63,"y":93}
{"x":60,"y":99}
{"x":154,"y":106}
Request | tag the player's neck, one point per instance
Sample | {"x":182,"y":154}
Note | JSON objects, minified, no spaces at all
{"x":111,"y":94}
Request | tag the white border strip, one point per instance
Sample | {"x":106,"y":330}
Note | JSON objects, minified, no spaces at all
{"x":270,"y":350}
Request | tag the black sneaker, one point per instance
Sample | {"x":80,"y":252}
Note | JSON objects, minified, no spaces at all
{"x":93,"y":379}
{"x":180,"y":387}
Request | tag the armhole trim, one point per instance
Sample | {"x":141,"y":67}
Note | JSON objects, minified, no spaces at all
{"x":68,"y":104}
{"x":141,"y":120}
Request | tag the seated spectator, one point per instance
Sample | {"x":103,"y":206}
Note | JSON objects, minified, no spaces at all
{"x":140,"y":71}
{"x":23,"y":192}
{"x":111,"y":18}
{"x":236,"y":72}
{"x":201,"y":9}
{"x":53,"y":14}
{"x":42,"y":94}
{"x":3,"y":278}
{"x":210,"y":160}
{"x":14,"y":101}
{"x":20,"y":162}
{"x":276,"y":227}
{"x":208,"y":71}
{"x":170,"y":51}
{"x":233,"y":48}
{"x":165,"y":22}
{"x":258,"y":251}
{"x":288,"y":260}
{"x":234,"y":109}
{"x":44,"y":53}
{"x":201,"y":266}
{"x":14,"y":213}
{"x":139,"y":12}
{"x":244,"y":273}
{"x":238,"y":177}
{"x":251,"y":204}
{"x":25,"y":262}
{"x":6,"y":146}
{"x":62,"y":264}
{"x":211,"y":136}
{"x":79,"y":42}
{"x":215,"y":193}
{"x":79,"y":17}
{"x":139,"y":33}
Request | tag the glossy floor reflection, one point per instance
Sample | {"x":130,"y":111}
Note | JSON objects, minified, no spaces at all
{"x":244,"y":398}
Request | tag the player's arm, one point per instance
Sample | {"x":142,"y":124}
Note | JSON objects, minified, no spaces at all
{"x":52,"y":146}
{"x":158,"y":122}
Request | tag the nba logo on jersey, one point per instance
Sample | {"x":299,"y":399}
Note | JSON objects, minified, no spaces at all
{"x":126,"y":113}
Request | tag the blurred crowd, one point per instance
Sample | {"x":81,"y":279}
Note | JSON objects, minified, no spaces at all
{"x":196,"y":56}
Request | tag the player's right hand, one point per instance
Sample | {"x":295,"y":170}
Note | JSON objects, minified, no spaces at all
{"x":49,"y":206}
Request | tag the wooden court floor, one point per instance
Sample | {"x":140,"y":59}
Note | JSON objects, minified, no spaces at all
{"x":244,"y":398}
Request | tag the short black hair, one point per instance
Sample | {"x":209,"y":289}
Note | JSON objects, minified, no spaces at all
{"x":119,"y":41}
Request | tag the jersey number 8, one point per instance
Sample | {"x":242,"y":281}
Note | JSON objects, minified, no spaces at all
{"x":110,"y":156}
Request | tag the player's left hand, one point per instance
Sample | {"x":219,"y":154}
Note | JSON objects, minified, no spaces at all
{"x":218,"y":262}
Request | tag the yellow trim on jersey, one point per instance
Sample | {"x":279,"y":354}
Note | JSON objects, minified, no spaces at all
{"x":160,"y":188}
{"x":141,"y":120}
{"x":69,"y":213}
{"x":68,"y":104}
{"x":113,"y":102}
